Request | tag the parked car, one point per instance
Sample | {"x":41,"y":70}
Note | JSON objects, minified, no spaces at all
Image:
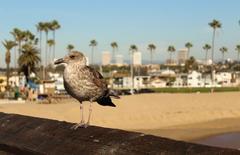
{"x":145,"y":91}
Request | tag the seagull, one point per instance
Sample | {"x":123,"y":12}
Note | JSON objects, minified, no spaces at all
{"x":84,"y":83}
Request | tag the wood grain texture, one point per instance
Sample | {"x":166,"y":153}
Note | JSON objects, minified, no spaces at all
{"x":28,"y":135}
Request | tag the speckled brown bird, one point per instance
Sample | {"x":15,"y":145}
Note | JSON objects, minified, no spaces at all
{"x":84,"y":84}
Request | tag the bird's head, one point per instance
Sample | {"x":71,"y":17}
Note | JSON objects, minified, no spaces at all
{"x":73,"y":57}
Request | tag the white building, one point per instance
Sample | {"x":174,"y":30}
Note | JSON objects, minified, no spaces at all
{"x":59,"y":86}
{"x":179,"y":82}
{"x":87,"y":59}
{"x":17,"y":81}
{"x":162,"y":73}
{"x":224,"y":78}
{"x":194,"y":79}
{"x":119,"y":60}
{"x":137,"y":58}
{"x":158,"y":83}
{"x":139,"y":82}
{"x":106,"y":58}
{"x":182,"y":56}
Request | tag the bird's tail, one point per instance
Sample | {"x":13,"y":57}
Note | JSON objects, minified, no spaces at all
{"x":106,"y":101}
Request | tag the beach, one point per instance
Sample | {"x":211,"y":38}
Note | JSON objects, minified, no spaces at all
{"x":178,"y":116}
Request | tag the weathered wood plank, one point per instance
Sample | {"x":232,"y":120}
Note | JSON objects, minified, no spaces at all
{"x":29,"y":135}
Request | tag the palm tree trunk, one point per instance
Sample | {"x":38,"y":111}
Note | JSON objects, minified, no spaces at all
{"x":40,"y":46}
{"x":40,"y":50}
{"x":151,"y":55}
{"x":49,"y":53}
{"x":92,"y":55}
{"x":206,"y":56}
{"x":223,"y":57}
{"x":54,"y":44}
{"x":238,"y":56}
{"x":213,"y":41}
{"x":170,"y":57}
{"x":188,"y":53}
{"x":15,"y":57}
{"x":44,"y":67}
{"x":19,"y":49}
{"x":29,"y":71}
{"x":114,"y":56}
{"x":46,"y":50}
{"x":132,"y":76}
{"x":8,"y":76}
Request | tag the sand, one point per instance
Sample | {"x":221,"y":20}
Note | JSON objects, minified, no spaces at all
{"x":178,"y":116}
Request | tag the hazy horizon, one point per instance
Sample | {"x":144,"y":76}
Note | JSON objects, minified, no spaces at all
{"x":127,"y":22}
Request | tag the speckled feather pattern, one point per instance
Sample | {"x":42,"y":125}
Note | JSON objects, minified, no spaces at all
{"x":84,"y":83}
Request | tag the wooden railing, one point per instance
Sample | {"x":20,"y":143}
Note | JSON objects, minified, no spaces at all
{"x":29,"y":135}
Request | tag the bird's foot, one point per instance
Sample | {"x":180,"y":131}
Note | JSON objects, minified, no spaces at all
{"x":81,"y":125}
{"x":86,"y":125}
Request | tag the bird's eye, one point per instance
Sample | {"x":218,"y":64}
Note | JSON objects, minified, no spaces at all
{"x":72,"y":56}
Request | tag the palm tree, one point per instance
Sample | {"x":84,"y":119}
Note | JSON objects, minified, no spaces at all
{"x":19,"y":37}
{"x":188,"y":45}
{"x":54,"y":25}
{"x":8,"y":44}
{"x":70,"y":47}
{"x":29,"y":37}
{"x":93,"y":44}
{"x":46,"y":26}
{"x":151,"y":48}
{"x":15,"y":49}
{"x":223,"y":50}
{"x":114,"y":46}
{"x":238,"y":51}
{"x":29,"y":59}
{"x":206,"y":47}
{"x":40,"y":29}
{"x":190,"y":64}
{"x":132,"y":49}
{"x":51,"y":44}
{"x":215,"y":24}
{"x":171,"y":49}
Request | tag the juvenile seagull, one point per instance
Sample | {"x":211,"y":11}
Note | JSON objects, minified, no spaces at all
{"x":84,"y":84}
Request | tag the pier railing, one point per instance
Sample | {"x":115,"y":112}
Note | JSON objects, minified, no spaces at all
{"x":28,"y":135}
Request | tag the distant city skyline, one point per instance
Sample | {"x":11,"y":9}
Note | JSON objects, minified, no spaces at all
{"x":162,"y":23}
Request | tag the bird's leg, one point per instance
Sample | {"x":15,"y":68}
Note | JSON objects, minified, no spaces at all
{"x":89,"y":115}
{"x":81,"y":113}
{"x":81,"y":124}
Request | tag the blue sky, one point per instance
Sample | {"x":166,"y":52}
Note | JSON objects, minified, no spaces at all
{"x":140,"y":22}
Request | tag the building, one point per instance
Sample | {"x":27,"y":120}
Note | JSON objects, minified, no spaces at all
{"x":162,"y":73}
{"x":194,"y":79}
{"x":181,"y":80}
{"x":106,"y":58}
{"x":3,"y":83}
{"x":59,"y":83}
{"x":14,"y":80}
{"x":126,"y":82}
{"x":158,"y":83}
{"x":137,"y":58}
{"x":119,"y":60}
{"x":87,"y":59}
{"x":47,"y":87}
{"x":171,"y":62}
{"x":182,"y":56}
{"x":224,"y":78}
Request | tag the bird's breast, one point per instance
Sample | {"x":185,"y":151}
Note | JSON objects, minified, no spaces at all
{"x":78,"y":84}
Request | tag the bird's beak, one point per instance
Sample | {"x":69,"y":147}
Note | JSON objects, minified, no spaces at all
{"x":59,"y":61}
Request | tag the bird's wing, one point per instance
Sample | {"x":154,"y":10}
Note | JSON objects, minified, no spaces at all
{"x":97,"y":78}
